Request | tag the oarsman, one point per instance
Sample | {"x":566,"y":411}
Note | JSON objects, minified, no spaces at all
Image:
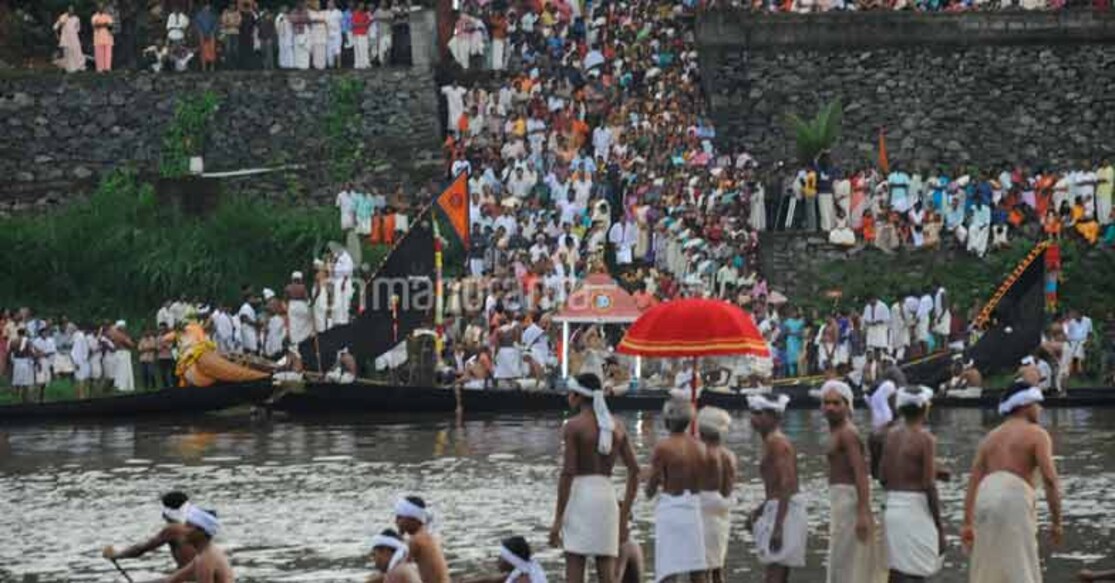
{"x":209,"y":565}
{"x":413,"y":520}
{"x":589,"y":522}
{"x":389,"y":554}
{"x":300,"y":323}
{"x":515,"y":564}
{"x":675,"y":466}
{"x":779,"y":523}
{"x":175,"y":535}
{"x":79,"y":353}
{"x":851,"y":551}
{"x":1000,"y":517}
{"x":912,"y":520}
{"x":718,"y":478}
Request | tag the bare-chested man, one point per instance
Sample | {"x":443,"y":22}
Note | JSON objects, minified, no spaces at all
{"x":210,"y":564}
{"x":412,"y":519}
{"x":675,"y":467}
{"x":912,"y":520}
{"x":1000,"y":517}
{"x":589,"y":522}
{"x":389,"y":554}
{"x":173,"y":535}
{"x":779,"y":523}
{"x":718,"y":478}
{"x":850,"y":556}
{"x":516,"y":564}
{"x":300,"y":323}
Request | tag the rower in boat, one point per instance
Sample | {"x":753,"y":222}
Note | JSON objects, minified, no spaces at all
{"x":174,"y":535}
{"x":389,"y":554}
{"x":210,"y":565}
{"x":967,"y":382}
{"x":515,"y":564}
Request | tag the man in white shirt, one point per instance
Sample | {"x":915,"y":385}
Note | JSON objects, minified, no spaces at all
{"x":623,"y":236}
{"x":876,"y":318}
{"x":164,"y":316}
{"x":1078,"y":329}
{"x":249,"y":334}
{"x":569,"y":208}
{"x":518,"y":185}
{"x":507,"y":221}
{"x":602,"y":142}
{"x":455,"y":100}
{"x":346,"y":204}
{"x":582,"y":188}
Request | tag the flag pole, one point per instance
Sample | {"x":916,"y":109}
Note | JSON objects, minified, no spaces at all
{"x":439,"y":291}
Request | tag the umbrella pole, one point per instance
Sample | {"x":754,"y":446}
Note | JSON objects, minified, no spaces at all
{"x":693,"y":397}
{"x":565,"y":350}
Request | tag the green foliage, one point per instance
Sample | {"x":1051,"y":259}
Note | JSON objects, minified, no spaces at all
{"x":120,"y":253}
{"x":186,"y":134}
{"x":815,"y":136}
{"x":342,"y":128}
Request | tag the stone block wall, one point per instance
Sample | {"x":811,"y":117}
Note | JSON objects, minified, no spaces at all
{"x":59,"y":132}
{"x":974,"y":88}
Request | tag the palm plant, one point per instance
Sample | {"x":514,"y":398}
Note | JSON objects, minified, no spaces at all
{"x":816,"y":136}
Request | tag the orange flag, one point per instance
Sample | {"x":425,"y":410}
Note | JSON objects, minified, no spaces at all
{"x":884,"y":163}
{"x":454,"y":203}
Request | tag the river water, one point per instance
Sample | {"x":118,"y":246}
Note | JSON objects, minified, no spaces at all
{"x":299,"y":501}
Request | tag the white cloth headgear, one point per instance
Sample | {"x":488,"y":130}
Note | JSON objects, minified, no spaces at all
{"x":407,"y":509}
{"x":391,"y":542}
{"x":604,"y":421}
{"x":268,"y":293}
{"x":879,"y":401}
{"x":841,"y":388}
{"x":176,"y":514}
{"x":1017,"y":397}
{"x":765,"y":403}
{"x":121,"y":324}
{"x":296,"y":275}
{"x":530,"y":568}
{"x":1028,"y":361}
{"x":919,"y":397}
{"x":714,"y":420}
{"x":203,"y":519}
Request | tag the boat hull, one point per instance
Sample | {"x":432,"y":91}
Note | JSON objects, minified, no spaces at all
{"x":174,"y":402}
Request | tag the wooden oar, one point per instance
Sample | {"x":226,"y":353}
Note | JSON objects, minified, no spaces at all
{"x":127,"y":577}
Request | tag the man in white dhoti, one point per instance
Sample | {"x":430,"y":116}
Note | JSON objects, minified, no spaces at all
{"x":285,"y":31}
{"x":623,"y":236}
{"x":942,"y":317}
{"x":536,"y":341}
{"x":718,"y":478}
{"x":852,"y":550}
{"x":979,"y":227}
{"x":509,"y":358}
{"x":123,"y":379}
{"x":44,"y":348}
{"x":915,"y":541}
{"x":876,"y":317}
{"x":300,"y":24}
{"x":921,"y":329}
{"x":79,"y":352}
{"x":779,"y":524}
{"x":898,"y":330}
{"x":23,"y":364}
{"x":675,"y":466}
{"x":334,"y":20}
{"x":589,"y":522}
{"x":300,"y":322}
{"x":1000,"y":513}
{"x":319,"y":38}
{"x":249,"y":327}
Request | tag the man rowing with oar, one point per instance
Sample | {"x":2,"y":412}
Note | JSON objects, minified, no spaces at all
{"x":173,"y":535}
{"x":210,"y":564}
{"x":414,"y":520}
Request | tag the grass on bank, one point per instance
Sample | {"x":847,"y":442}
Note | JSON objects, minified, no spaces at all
{"x":121,"y":252}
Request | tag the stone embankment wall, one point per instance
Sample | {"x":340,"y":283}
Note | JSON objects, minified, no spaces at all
{"x":965,"y":88}
{"x":59,"y":132}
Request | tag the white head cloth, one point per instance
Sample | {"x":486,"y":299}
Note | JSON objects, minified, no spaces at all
{"x":714,"y":420}
{"x":407,"y":509}
{"x":759,"y":403}
{"x":879,"y":401}
{"x":203,"y":519}
{"x":919,"y":397}
{"x":391,"y":542}
{"x":268,"y":293}
{"x":176,"y":514}
{"x":841,"y":388}
{"x":1028,"y":361}
{"x":604,"y":419}
{"x":1021,"y":398}
{"x":296,"y":275}
{"x":530,"y":568}
{"x":121,"y":324}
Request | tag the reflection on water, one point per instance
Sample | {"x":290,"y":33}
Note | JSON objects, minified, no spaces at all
{"x":299,"y":502}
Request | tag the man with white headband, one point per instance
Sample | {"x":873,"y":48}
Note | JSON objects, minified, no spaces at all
{"x":515,"y":564}
{"x":851,"y":557}
{"x":779,"y":524}
{"x":173,"y":534}
{"x":718,"y":478}
{"x":389,"y":554}
{"x":915,"y":541}
{"x":1000,"y":517}
{"x":414,"y":520}
{"x":589,"y":521}
{"x":675,"y":466}
{"x":210,"y":565}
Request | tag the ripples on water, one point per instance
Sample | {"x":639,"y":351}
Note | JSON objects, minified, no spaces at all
{"x":299,"y":502}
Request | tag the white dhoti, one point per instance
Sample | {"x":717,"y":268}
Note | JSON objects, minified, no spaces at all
{"x":96,"y":367}
{"x":1006,"y":529}
{"x":23,"y":372}
{"x":302,"y":52}
{"x":717,"y":519}
{"x":82,"y":371}
{"x":286,"y":54}
{"x":383,"y":46}
{"x":590,"y":526}
{"x":360,"y":52}
{"x":943,"y":325}
{"x":795,"y":532}
{"x":43,"y":372}
{"x":679,"y":536}
{"x":922,"y":329}
{"x":63,"y":364}
{"x":849,"y":559}
{"x":509,"y":363}
{"x":827,"y":211}
{"x":122,"y":377}
{"x":911,"y":535}
{"x":842,"y":236}
{"x":977,"y":240}
{"x":301,"y":321}
{"x":333,"y":53}
{"x":318,"y":52}
{"x":877,"y":336}
{"x":108,"y":365}
{"x":498,"y":58}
